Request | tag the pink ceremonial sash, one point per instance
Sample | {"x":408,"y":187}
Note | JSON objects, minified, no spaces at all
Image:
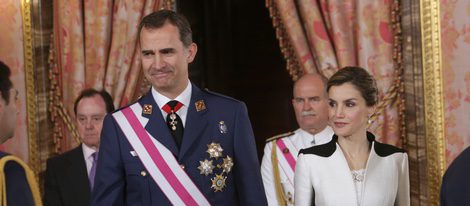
{"x":158,"y":160}
{"x":287,"y":155}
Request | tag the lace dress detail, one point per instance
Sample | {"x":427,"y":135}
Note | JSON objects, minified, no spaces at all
{"x":358,"y":179}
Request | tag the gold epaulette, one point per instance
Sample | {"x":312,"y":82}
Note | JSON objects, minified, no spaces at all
{"x":280,"y":136}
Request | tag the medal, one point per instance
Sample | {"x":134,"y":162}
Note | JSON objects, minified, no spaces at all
{"x":214,"y":150}
{"x":200,"y":105}
{"x":222,"y":127}
{"x":173,"y":122}
{"x":227,"y":165}
{"x":218,"y":182}
{"x":205,"y":167}
{"x":147,"y":109}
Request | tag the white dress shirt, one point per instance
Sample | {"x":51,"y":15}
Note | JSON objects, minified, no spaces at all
{"x":87,"y":152}
{"x":184,"y":98}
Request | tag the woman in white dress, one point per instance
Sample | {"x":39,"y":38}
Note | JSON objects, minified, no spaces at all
{"x":353,"y":168}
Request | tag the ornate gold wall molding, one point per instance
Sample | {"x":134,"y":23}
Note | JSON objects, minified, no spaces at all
{"x":34,"y":161}
{"x":433,"y":96}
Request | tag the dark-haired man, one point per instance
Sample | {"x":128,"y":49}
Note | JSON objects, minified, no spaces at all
{"x":70,"y":176}
{"x":19,"y":182}
{"x":178,"y":145}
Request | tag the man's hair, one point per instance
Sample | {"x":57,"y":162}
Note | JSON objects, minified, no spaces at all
{"x":158,"y":19}
{"x":323,"y":79}
{"x":108,"y":100}
{"x":5,"y":82}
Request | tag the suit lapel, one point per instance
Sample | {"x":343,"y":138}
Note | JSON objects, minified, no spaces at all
{"x":77,"y":176}
{"x":156,"y":125}
{"x":195,"y":121}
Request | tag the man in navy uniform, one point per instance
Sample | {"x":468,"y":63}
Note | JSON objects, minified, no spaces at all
{"x":19,"y":179}
{"x":455,"y":188}
{"x":178,"y":145}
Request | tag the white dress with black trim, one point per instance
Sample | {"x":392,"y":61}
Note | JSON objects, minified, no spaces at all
{"x":323,"y":177}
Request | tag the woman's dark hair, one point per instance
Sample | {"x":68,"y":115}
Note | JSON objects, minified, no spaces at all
{"x":360,"y":78}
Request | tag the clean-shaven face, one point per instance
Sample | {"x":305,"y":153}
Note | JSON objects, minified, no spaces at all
{"x":8,"y":116}
{"x":90,"y":115}
{"x":165,"y":59}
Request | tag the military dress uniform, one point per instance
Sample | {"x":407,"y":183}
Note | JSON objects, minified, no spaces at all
{"x":17,"y":183}
{"x":277,"y":167}
{"x":217,"y":154}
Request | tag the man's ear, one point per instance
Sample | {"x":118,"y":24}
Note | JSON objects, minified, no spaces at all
{"x":2,"y":102}
{"x":192,"y":50}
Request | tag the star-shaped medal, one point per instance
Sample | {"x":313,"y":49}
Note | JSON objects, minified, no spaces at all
{"x":227,"y":165}
{"x":214,"y":150}
{"x":205,"y":167}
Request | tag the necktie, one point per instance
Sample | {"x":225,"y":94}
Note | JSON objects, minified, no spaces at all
{"x":91,"y":176}
{"x":173,"y":120}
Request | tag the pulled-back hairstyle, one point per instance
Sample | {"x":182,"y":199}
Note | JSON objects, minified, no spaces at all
{"x":5,"y":82}
{"x":360,"y":79}
{"x":158,"y":19}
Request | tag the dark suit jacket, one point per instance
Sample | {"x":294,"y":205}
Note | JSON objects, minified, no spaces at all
{"x":66,"y":180}
{"x":120,"y":177}
{"x":455,"y":188}
{"x":17,"y":187}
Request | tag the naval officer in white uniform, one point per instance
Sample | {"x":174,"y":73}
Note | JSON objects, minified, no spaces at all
{"x":311,"y":110}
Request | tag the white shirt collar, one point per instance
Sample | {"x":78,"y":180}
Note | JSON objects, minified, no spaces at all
{"x":322,"y":137}
{"x":184,"y":97}
{"x":87,"y":152}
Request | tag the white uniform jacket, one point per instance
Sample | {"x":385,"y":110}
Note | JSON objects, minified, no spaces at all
{"x":323,"y":177}
{"x":295,"y":141}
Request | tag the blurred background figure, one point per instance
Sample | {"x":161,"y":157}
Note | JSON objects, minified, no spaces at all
{"x":70,"y":176}
{"x":310,"y":104}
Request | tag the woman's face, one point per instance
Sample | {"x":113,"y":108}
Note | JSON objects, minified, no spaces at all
{"x":348,"y":111}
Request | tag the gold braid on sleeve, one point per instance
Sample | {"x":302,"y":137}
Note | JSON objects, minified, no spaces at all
{"x":277,"y":178}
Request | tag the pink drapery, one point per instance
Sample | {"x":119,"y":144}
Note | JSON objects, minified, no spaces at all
{"x":12,"y":54}
{"x":94,"y":45}
{"x":325,"y":35}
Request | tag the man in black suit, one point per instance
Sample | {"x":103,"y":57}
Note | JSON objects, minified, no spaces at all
{"x":70,"y":176}
{"x":455,"y":188}
{"x":20,"y":184}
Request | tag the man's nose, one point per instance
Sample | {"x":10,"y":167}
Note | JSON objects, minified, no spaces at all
{"x":306,"y":106}
{"x":159,"y":62}
{"x":89,"y":124}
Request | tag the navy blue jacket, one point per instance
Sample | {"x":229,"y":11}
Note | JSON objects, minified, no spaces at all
{"x":455,"y":188}
{"x":121,"y":179}
{"x":18,"y":191}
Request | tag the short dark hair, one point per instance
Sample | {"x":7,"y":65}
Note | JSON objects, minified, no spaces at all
{"x":360,"y":79}
{"x":158,"y":19}
{"x":5,"y":82}
{"x":108,"y":100}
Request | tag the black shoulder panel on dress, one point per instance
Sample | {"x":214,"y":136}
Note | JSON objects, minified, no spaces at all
{"x":324,"y":150}
{"x":384,"y":150}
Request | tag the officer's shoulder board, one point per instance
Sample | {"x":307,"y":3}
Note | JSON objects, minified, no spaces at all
{"x":287,"y":134}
